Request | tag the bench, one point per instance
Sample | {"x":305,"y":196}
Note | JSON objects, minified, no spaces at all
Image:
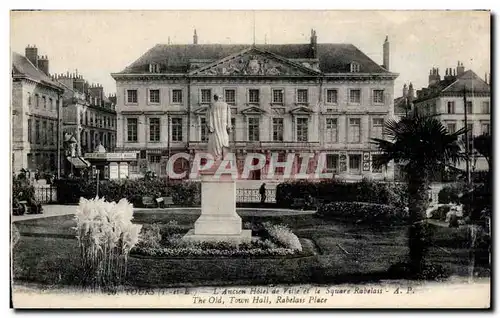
{"x":164,"y":202}
{"x":148,"y":202}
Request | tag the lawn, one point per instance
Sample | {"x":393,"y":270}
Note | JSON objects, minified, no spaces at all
{"x":47,"y":253}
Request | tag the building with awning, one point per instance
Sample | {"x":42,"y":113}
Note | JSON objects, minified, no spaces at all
{"x":79,"y":162}
{"x":111,"y":165}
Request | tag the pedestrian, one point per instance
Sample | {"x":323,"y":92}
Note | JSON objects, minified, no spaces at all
{"x":262,"y":192}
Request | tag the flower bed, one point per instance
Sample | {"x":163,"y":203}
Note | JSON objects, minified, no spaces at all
{"x":165,"y":240}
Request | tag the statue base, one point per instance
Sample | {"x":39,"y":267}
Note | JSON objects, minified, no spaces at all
{"x":219,"y":220}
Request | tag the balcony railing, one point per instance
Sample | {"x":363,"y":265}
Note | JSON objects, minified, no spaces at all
{"x":253,"y":195}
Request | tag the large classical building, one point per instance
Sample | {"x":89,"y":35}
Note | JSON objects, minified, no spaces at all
{"x":314,"y":97}
{"x":444,"y":97}
{"x":36,"y":113}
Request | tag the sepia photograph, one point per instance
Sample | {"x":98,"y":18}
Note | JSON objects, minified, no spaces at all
{"x":250,"y":159}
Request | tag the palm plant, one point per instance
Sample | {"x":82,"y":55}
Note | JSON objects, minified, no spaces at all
{"x":420,"y":144}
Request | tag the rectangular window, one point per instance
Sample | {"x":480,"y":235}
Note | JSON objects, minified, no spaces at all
{"x":203,"y":130}
{"x":485,"y":107}
{"x":355,"y":96}
{"x":378,"y":128}
{"x":485,"y":128}
{"x":37,"y":132}
{"x":469,"y":107}
{"x":331,"y":96}
{"x":451,"y":107}
{"x":331,"y":130}
{"x":29,"y":99}
{"x":132,"y":96}
{"x":154,"y":158}
{"x":176,"y":129}
{"x":451,"y":128}
{"x":44,"y":100}
{"x":206,"y":96}
{"x":177,"y":96}
{"x":278,"y":96}
{"x":374,"y":168}
{"x":253,"y":129}
{"x":253,"y":96}
{"x":354,"y":130}
{"x":44,"y":132}
{"x":154,"y":96}
{"x":302,"y":96}
{"x":132,"y":129}
{"x":277,"y":129}
{"x":378,"y":96}
{"x":51,"y":106}
{"x":30,"y":130}
{"x":37,"y":101}
{"x":154,"y":129}
{"x":230,"y":96}
{"x":332,"y":163}
{"x":355,"y":164}
{"x":302,"y":129}
{"x":51,"y":133}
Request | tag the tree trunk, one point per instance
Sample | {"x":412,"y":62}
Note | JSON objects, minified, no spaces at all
{"x":417,"y":205}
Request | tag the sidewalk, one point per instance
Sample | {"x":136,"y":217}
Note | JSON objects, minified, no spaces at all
{"x":48,"y":211}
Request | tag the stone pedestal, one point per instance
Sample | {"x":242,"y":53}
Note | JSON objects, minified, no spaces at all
{"x":219,"y":220}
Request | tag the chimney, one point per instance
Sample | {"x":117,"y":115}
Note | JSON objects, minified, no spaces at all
{"x":386,"y":53}
{"x":405,"y":90}
{"x":98,"y":92}
{"x":195,"y":37}
{"x":31,"y":53}
{"x":43,"y":65}
{"x":411,"y":92}
{"x":460,"y":68}
{"x":434,"y":76}
{"x":449,"y":75}
{"x":314,"y":44}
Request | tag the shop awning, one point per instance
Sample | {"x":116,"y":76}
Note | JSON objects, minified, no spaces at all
{"x":79,"y":162}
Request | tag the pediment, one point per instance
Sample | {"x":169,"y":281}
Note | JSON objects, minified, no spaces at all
{"x":301,"y":110}
{"x":254,"y":62}
{"x":253,"y":110}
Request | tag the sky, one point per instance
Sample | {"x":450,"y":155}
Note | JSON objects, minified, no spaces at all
{"x":98,"y":43}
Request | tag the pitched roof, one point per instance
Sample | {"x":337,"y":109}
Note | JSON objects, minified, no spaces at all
{"x":400,"y":105}
{"x":21,"y":66}
{"x":333,"y":58}
{"x":468,"y":79}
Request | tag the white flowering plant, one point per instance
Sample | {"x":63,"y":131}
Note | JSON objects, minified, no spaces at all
{"x":106,"y":235}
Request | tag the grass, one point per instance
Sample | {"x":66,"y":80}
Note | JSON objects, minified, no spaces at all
{"x":47,"y":254}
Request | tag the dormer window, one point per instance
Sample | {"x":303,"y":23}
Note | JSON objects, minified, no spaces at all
{"x":355,"y":67}
{"x":154,"y":68}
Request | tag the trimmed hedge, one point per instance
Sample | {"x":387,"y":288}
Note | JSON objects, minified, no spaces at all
{"x":335,"y":191}
{"x":360,"y":212}
{"x":183,"y":193}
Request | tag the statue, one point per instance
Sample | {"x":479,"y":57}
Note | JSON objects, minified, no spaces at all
{"x":219,"y":125}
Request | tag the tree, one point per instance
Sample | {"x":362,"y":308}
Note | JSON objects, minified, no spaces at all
{"x":483,"y":145}
{"x":420,"y":144}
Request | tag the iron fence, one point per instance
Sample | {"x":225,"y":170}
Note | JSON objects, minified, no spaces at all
{"x":46,"y":194}
{"x":253,"y":195}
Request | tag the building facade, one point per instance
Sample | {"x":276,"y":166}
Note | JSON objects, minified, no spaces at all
{"x":36,"y":113}
{"x":444,"y":97}
{"x":313,"y":98}
{"x":89,"y":115}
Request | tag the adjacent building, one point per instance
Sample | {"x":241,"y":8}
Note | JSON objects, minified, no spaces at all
{"x":285,"y":98}
{"x":444,"y":97}
{"x":36,"y":113}
{"x":404,"y":104}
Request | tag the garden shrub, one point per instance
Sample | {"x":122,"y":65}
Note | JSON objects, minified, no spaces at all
{"x":186,"y":193}
{"x":334,"y":191}
{"x":150,"y":236}
{"x":283,"y":236}
{"x":450,"y":194}
{"x":362,"y":212}
{"x":440,"y":212}
{"x":183,"y":193}
{"x":105,"y":236}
